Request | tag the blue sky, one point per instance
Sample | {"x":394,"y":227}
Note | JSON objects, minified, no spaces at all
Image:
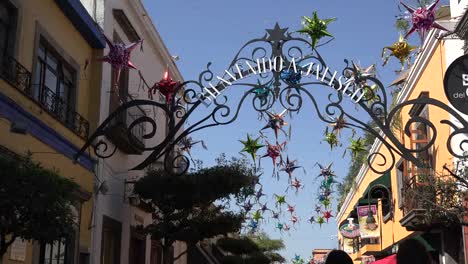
{"x":205,"y":31}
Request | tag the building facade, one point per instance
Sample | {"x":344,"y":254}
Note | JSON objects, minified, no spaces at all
{"x":49,"y":106}
{"x":117,"y":212}
{"x":386,"y":202}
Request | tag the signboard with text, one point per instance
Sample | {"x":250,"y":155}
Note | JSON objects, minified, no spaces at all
{"x":367,"y":230}
{"x":456,"y":84}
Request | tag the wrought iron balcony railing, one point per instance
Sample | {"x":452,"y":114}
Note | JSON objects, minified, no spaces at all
{"x":19,"y":77}
{"x":417,"y":191}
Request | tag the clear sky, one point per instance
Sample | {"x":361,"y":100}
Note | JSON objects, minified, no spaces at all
{"x":205,"y":31}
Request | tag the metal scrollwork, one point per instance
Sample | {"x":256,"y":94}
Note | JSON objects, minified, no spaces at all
{"x":279,"y":69}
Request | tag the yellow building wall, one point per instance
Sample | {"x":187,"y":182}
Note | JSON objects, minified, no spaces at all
{"x":431,"y":80}
{"x":45,"y":14}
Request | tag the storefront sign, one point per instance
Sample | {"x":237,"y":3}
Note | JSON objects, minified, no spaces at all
{"x":277,"y":64}
{"x":456,"y":84}
{"x":368,"y":230}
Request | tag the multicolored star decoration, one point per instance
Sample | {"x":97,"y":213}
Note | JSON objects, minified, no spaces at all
{"x":289,"y":167}
{"x":276,"y":122}
{"x":312,"y":219}
{"x":339,"y":123}
{"x":320,"y":221}
{"x":257,"y":216}
{"x":274,"y":152}
{"x":280,"y":199}
{"x":296,"y":184}
{"x":297,"y":260}
{"x":262,"y":91}
{"x":331,"y":139}
{"x":327,"y":215}
{"x":119,"y":58}
{"x":423,"y":19}
{"x":166,"y":87}
{"x":251,"y":146}
{"x":280,"y":226}
{"x":357,"y":146}
{"x":400,"y":50}
{"x":360,"y":74}
{"x":290,"y":76}
{"x":315,"y":28}
{"x":186,"y":144}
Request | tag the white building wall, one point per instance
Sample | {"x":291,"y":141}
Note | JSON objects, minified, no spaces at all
{"x":152,"y":63}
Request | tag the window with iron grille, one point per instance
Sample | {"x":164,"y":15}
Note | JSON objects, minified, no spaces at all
{"x":8,"y":18}
{"x":62,"y":251}
{"x":55,"y":84}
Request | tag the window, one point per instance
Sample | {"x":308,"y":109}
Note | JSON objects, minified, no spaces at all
{"x":59,"y":252}
{"x":62,"y":251}
{"x":55,"y":83}
{"x":419,"y":138}
{"x":137,"y":248}
{"x":8,"y":17}
{"x":400,"y":182}
{"x":110,"y":241}
{"x":156,"y":252}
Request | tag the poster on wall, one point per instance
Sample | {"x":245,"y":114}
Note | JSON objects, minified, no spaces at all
{"x":348,"y":245}
{"x":18,"y":250}
{"x":368,"y":230}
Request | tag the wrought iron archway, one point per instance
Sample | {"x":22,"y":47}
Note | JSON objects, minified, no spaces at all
{"x":288,"y":92}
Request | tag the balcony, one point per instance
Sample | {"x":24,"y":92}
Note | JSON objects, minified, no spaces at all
{"x":19,"y":77}
{"x":415,"y":206}
{"x":130,"y":142}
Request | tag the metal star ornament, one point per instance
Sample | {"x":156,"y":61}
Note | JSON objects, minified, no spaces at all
{"x":320,"y":221}
{"x":166,"y":86}
{"x":280,"y":199}
{"x":312,"y":219}
{"x":251,"y":146}
{"x":315,"y":28}
{"x":289,"y":167}
{"x":276,"y":34}
{"x":257,"y":215}
{"x":327,"y":215}
{"x":276,"y":122}
{"x":357,"y":146}
{"x":400,"y":50}
{"x":423,"y":19}
{"x":119,"y":57}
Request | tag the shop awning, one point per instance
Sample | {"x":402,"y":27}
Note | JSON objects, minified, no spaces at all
{"x":384,"y":180}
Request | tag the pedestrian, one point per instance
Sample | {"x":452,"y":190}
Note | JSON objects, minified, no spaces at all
{"x":412,"y":251}
{"x":338,"y":257}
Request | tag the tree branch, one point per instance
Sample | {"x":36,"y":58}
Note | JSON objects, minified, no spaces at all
{"x":460,"y":179}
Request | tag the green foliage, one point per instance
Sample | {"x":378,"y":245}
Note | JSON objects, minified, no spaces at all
{"x":267,"y":244}
{"x":252,"y":249}
{"x":35,"y":203}
{"x":191,"y":207}
{"x":238,"y":246}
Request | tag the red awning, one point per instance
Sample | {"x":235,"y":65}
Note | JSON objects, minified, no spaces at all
{"x":388,"y":260}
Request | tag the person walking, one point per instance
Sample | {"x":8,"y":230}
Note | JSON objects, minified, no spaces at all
{"x":338,"y":257}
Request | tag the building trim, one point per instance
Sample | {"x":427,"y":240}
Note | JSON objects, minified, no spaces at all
{"x":38,"y":129}
{"x":83,"y":22}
